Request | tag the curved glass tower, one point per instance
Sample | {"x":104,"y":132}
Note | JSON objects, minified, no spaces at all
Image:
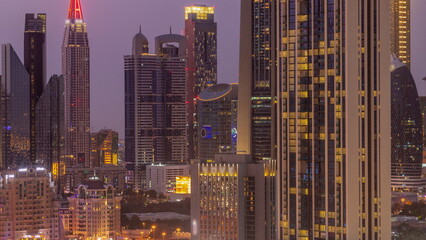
{"x":406,"y":130}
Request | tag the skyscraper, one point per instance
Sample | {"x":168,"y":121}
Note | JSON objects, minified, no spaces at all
{"x":76,"y":71}
{"x":333,"y":119}
{"x":155,"y":103}
{"x":401,"y":30}
{"x":14,"y":110}
{"x":217,"y":118}
{"x":139,"y":47}
{"x":201,"y":38}
{"x":257,"y":96}
{"x":50,"y":128}
{"x":35,"y":63}
{"x":407,"y":139}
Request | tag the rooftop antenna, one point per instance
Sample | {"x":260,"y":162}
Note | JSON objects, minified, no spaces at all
{"x":170,"y":30}
{"x":140,"y":29}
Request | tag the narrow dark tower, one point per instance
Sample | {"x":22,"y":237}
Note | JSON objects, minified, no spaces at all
{"x":407,"y":145}
{"x":201,"y":37}
{"x":76,"y":71}
{"x":35,"y":63}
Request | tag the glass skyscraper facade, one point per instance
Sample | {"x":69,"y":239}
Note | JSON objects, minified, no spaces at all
{"x":50,"y":128}
{"x":15,"y":110}
{"x":333,"y":119}
{"x":407,"y":132}
{"x":217,"y":118}
{"x":35,"y":63}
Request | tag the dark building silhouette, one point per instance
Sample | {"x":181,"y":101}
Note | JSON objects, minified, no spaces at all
{"x":407,"y":139}
{"x":201,"y":37}
{"x":35,"y":63}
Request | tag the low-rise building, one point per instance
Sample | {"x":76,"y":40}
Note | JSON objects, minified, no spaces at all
{"x":228,"y":199}
{"x":28,"y":205}
{"x":168,"y":179}
{"x":93,"y":211}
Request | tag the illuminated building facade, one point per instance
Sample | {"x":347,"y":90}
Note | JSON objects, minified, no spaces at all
{"x":407,"y":140}
{"x":401,"y":30}
{"x":35,"y":63}
{"x":257,"y":96}
{"x":76,"y":71}
{"x":201,"y":38}
{"x":104,"y":148}
{"x":50,"y":128}
{"x":228,"y":199}
{"x":155,"y":103}
{"x":15,"y":110}
{"x":28,"y":205}
{"x":163,"y":178}
{"x":217,"y":121}
{"x":334,"y":119}
{"x":94,"y":211}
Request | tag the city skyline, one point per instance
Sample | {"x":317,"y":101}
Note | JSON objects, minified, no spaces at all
{"x":134,"y":14}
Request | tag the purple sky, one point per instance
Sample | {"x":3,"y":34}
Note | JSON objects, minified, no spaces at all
{"x":112,"y":24}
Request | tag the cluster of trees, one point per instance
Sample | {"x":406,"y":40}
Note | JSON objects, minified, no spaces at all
{"x":142,"y":202}
{"x":152,"y":202}
{"x":417,"y":209}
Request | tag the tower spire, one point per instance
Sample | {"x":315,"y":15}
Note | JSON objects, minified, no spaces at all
{"x":75,"y":11}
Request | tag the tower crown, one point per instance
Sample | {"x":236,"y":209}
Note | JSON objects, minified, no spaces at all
{"x":75,"y":12}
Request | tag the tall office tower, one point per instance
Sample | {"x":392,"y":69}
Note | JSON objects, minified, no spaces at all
{"x":104,"y":148}
{"x":201,"y":38}
{"x":406,"y":123}
{"x":334,"y":119}
{"x":139,"y":48}
{"x":217,"y":118}
{"x":29,"y":208}
{"x":257,"y":96}
{"x":155,"y":103}
{"x":14,"y":110}
{"x":76,"y":71}
{"x":100,"y":219}
{"x":401,"y":30}
{"x":228,"y":199}
{"x":50,"y":128}
{"x":35,"y":63}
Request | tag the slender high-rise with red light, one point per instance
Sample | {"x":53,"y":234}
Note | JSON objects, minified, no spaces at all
{"x":76,"y":70}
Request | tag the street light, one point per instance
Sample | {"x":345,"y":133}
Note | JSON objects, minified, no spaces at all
{"x":163,"y":234}
{"x":153,"y":227}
